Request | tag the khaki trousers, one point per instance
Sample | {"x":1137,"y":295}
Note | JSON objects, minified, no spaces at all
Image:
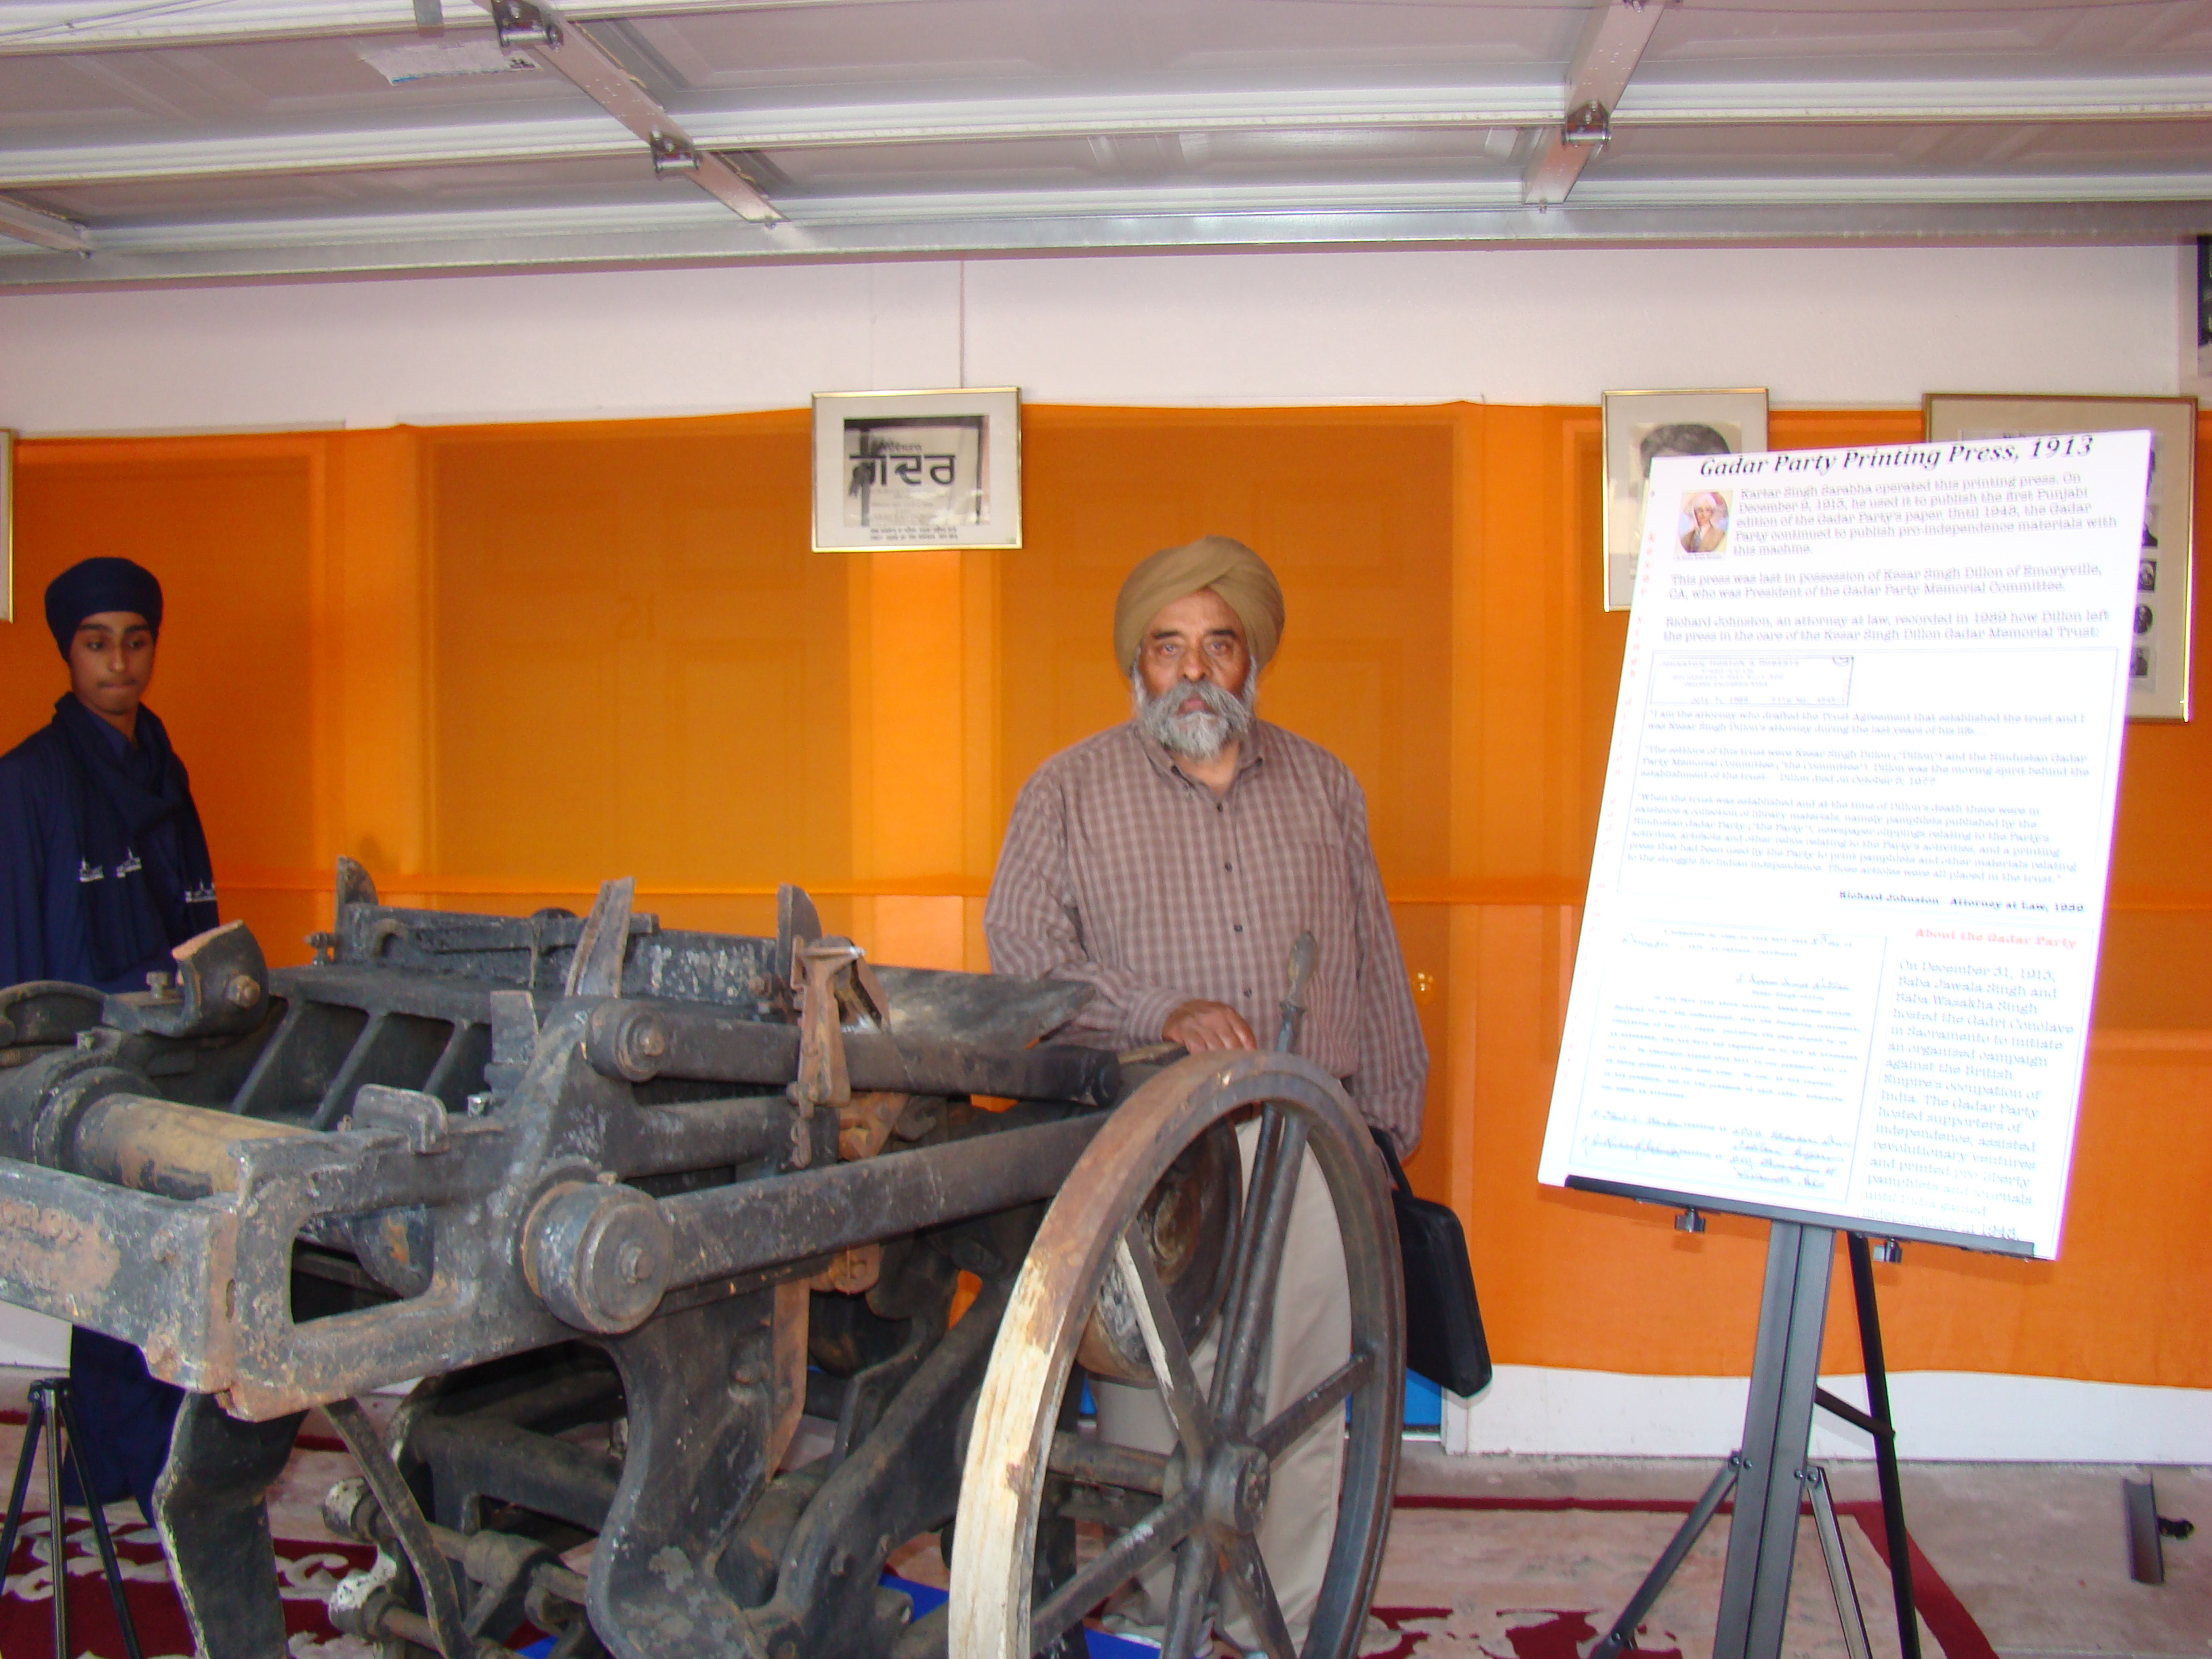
{"x":1311,"y":1337}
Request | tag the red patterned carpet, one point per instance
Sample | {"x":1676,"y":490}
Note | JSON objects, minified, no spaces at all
{"x":306,"y":1573}
{"x":1464,"y":1578}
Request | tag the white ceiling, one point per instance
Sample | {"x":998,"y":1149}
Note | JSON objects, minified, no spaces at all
{"x":160,"y":139}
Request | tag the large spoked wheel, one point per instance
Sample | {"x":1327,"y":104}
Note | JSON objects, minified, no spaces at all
{"x":1019,"y":1587}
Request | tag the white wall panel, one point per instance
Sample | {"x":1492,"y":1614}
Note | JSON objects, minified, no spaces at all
{"x":1848,"y":326}
{"x":1943,"y":1416}
{"x":1851,"y":326}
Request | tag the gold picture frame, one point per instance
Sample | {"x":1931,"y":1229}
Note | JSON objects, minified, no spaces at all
{"x":1642,"y":426}
{"x":7,"y":525}
{"x":2158,"y":678}
{"x":904,"y":470}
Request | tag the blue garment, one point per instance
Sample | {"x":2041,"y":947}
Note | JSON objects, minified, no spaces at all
{"x":125,"y":1417}
{"x":103,"y":871}
{"x":103,"y":864}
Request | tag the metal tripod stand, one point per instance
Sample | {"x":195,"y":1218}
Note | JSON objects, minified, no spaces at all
{"x":51,"y":1412}
{"x":1771,"y":1466}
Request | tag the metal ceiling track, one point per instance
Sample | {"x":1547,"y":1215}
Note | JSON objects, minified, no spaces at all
{"x":46,"y":230}
{"x":497,"y":135}
{"x":568,"y":49}
{"x":1613,"y":37}
{"x":724,"y":241}
{"x":1100,"y":124}
{"x":34,"y":26}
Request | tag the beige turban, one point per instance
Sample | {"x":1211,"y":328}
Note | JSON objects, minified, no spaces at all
{"x":1231,"y":569}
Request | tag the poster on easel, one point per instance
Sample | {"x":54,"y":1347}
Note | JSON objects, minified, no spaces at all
{"x":1837,"y":956}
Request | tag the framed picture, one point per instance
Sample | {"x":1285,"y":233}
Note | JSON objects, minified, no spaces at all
{"x":7,"y":525}
{"x":2157,"y":674}
{"x":1642,"y":426}
{"x":917,"y":469}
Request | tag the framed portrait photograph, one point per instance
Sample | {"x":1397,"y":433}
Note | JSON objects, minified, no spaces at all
{"x":2158,"y":671}
{"x":1642,"y":426}
{"x":917,"y":469}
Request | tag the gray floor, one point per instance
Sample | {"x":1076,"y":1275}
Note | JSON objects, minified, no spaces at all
{"x":2037,"y":1552}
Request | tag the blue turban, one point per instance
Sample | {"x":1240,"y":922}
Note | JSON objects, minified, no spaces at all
{"x":91,"y":587}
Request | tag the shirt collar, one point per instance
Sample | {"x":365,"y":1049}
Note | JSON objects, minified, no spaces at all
{"x":1250,"y":752}
{"x":118,"y":747}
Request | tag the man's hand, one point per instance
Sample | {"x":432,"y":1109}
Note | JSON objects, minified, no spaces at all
{"x":1199,"y":1025}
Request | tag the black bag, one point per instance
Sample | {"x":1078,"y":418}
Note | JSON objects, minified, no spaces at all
{"x":1444,"y":1323}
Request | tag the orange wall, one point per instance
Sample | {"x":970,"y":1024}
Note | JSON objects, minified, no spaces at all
{"x":497,"y":664}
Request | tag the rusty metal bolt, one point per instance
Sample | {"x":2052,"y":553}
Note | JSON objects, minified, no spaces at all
{"x":349,"y":1511}
{"x":357,"y":1606}
{"x":600,"y":1256}
{"x":624,"y":1041}
{"x":244,"y":991}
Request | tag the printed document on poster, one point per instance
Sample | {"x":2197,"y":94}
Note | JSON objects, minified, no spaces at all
{"x":1841,"y":929}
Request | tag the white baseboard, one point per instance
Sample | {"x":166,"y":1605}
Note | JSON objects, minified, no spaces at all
{"x":36,"y":1342}
{"x":1941,"y":1416}
{"x":32,"y":1339}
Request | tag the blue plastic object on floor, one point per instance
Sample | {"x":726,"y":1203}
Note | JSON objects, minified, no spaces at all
{"x":924,"y":1597}
{"x":1102,"y":1645}
{"x":1424,"y":1402}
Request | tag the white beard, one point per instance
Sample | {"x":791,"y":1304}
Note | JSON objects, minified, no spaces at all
{"x":1203,"y":733}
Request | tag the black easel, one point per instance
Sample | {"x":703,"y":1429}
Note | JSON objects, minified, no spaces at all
{"x":51,"y":1410}
{"x":1771,"y":1473}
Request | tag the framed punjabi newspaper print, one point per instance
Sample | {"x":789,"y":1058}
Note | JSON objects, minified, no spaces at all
{"x":917,"y":469}
{"x":1640,"y":426}
{"x":2158,"y":656}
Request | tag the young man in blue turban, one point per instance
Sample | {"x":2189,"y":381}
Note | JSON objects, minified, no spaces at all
{"x":103,"y":869}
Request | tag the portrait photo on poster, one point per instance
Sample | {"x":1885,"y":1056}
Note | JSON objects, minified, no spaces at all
{"x":1643,"y":427}
{"x":1702,"y":525}
{"x":2158,"y":678}
{"x":917,"y":469}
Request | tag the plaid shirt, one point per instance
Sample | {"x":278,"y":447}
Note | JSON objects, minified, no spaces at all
{"x":1120,"y":871}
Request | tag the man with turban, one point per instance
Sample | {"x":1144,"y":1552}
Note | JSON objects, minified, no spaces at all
{"x":103,"y":869}
{"x":1170,"y":864}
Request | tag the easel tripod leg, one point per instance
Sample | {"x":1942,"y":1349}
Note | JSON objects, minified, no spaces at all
{"x":1662,"y":1571}
{"x":1885,"y":1446}
{"x":1848,"y":1612}
{"x":1777,"y":1430}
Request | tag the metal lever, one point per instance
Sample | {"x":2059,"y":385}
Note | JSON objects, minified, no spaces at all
{"x":596,"y":968}
{"x":1294,"y":1004}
